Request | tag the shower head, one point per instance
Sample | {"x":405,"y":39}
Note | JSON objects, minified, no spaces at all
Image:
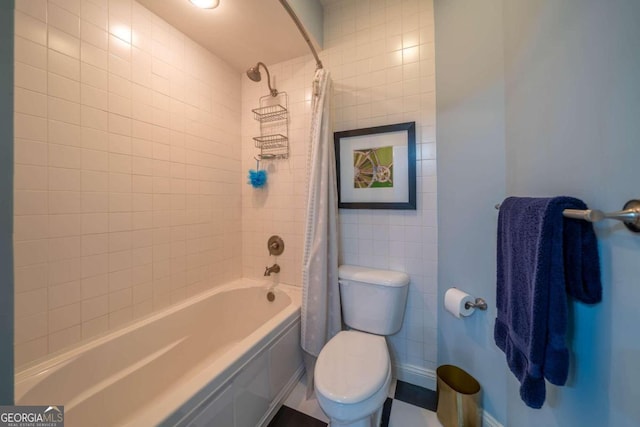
{"x":254,"y":74}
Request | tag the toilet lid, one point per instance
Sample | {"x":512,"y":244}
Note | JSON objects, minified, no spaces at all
{"x":352,"y":366}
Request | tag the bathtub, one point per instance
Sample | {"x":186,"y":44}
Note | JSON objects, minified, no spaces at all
{"x":226,"y":357}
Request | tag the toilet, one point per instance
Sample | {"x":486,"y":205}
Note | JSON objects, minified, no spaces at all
{"x":353,"y":371}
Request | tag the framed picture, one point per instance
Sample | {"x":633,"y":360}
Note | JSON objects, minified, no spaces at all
{"x":376,"y":167}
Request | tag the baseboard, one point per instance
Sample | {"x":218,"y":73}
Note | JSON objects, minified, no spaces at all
{"x":427,"y":378}
{"x":489,"y":421}
{"x":416,"y":375}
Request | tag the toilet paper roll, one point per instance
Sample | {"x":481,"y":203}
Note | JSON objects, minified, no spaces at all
{"x":455,"y":300}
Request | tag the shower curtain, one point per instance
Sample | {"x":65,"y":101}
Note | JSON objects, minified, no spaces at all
{"x":321,"y":318}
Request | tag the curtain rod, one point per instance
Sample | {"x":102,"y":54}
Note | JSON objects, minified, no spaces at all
{"x":293,"y":15}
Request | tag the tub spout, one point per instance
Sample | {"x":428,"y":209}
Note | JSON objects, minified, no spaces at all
{"x":275,"y":268}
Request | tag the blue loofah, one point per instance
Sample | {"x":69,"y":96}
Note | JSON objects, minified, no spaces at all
{"x":258,"y":178}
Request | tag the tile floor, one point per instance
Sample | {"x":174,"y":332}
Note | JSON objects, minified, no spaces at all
{"x":407,"y":406}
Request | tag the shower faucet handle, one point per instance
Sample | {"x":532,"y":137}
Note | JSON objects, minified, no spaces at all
{"x":275,"y":245}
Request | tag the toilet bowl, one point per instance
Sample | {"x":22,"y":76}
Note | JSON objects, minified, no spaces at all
{"x":352,"y":378}
{"x":353,"y":371}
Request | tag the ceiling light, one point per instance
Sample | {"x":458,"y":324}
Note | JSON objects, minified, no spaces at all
{"x":205,"y":4}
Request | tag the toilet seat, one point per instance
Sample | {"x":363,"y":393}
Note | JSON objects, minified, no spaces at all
{"x":352,"y":367}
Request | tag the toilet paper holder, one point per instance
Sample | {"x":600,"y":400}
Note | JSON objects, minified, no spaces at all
{"x":479,"y":303}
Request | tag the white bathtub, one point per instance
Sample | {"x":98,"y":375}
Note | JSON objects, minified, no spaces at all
{"x":225,"y":358}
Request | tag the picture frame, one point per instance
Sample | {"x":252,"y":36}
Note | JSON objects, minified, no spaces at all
{"x":376,"y":167}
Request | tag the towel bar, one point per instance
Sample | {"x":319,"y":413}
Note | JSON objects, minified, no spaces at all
{"x":630,"y":215}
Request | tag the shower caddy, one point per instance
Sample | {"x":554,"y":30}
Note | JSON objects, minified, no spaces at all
{"x":273,"y":116}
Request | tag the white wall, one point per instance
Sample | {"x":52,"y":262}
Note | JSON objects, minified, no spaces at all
{"x":568,"y":71}
{"x":381,"y":58}
{"x":471,"y":180}
{"x":127,"y":171}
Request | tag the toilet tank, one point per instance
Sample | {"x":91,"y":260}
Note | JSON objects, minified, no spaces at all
{"x":373,"y":300}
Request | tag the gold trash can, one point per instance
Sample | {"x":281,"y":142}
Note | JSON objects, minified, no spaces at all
{"x":458,"y":398}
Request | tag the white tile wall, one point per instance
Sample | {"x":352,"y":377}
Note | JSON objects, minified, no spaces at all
{"x":279,"y":207}
{"x":128,"y":164}
{"x":127,"y":169}
{"x":381,"y":54}
{"x":381,"y":57}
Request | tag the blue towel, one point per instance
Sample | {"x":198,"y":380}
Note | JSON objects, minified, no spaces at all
{"x":541,"y":257}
